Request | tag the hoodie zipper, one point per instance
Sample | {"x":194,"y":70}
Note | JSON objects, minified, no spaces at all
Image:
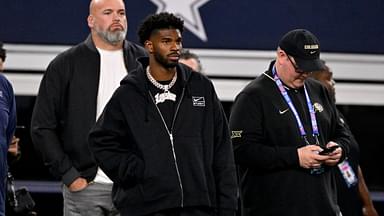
{"x":170,"y":133}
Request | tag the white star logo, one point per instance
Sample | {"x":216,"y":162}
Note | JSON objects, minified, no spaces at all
{"x":188,"y":10}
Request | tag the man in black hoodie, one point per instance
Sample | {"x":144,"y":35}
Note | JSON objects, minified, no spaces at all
{"x":163,"y":137}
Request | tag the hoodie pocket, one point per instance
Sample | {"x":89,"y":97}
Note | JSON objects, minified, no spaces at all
{"x":123,"y":197}
{"x":194,"y":158}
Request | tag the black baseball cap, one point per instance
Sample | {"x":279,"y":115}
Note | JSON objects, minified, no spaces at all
{"x":304,"y":47}
{"x":2,"y":51}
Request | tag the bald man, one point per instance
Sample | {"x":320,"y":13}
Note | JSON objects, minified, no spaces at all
{"x":73,"y":92}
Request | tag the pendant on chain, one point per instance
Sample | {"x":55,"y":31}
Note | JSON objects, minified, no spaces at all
{"x":167,"y":95}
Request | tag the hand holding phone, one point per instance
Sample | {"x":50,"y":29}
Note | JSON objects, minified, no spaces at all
{"x":329,"y":150}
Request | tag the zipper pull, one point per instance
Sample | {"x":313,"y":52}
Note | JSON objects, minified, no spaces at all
{"x":171,"y":137}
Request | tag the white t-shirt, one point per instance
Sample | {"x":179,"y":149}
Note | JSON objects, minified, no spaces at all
{"x":112,"y":71}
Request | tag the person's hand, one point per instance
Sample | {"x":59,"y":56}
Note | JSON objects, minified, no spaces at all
{"x":78,"y":185}
{"x":334,"y":157}
{"x":309,"y":156}
{"x":14,"y":146}
{"x":369,"y":211}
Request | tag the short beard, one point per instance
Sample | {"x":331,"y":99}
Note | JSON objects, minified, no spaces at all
{"x":112,"y":38}
{"x":164,"y":62}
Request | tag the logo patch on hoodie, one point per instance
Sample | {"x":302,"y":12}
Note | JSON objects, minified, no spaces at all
{"x":198,"y":101}
{"x":236,"y":134}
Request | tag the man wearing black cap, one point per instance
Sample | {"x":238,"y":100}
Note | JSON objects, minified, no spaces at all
{"x":286,"y":135}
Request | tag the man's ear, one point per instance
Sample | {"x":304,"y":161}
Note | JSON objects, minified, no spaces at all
{"x":148,"y":46}
{"x":90,"y":20}
{"x":281,"y":56}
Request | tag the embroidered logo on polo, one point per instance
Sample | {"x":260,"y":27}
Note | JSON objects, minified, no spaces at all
{"x":281,"y":112}
{"x":318,"y":107}
{"x":198,"y":101}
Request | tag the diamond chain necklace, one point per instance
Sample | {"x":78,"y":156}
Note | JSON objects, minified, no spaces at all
{"x":158,"y":85}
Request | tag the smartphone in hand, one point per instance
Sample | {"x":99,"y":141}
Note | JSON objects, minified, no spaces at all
{"x":329,"y":150}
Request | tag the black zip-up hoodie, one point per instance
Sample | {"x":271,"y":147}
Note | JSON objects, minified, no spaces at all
{"x":154,"y":168}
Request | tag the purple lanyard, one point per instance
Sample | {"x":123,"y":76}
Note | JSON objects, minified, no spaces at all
{"x":284,"y":93}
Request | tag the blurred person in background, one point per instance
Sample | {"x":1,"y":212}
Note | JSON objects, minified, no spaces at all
{"x":13,"y":150}
{"x":7,"y":127}
{"x":191,"y":60}
{"x":352,"y":192}
{"x":3,"y":55}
